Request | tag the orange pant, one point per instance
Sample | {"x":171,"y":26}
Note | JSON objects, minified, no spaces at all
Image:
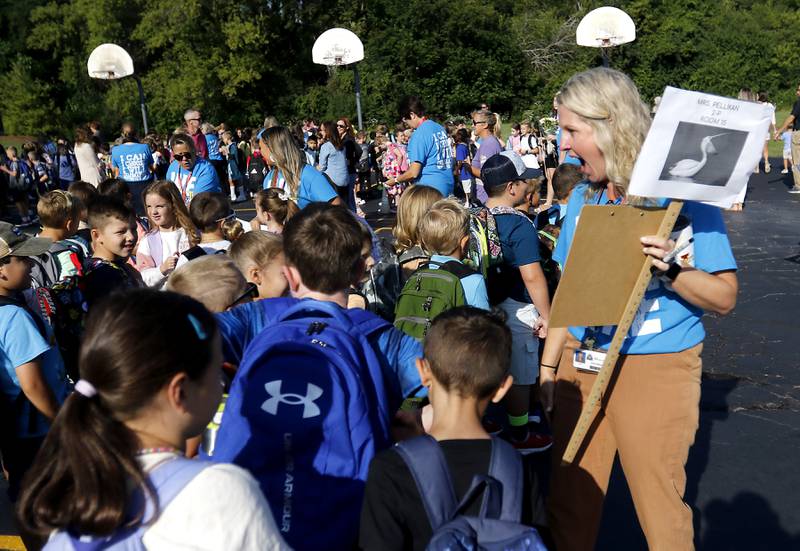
{"x":649,"y":416}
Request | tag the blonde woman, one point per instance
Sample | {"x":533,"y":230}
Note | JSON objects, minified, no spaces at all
{"x":650,"y":414}
{"x":304,"y":183}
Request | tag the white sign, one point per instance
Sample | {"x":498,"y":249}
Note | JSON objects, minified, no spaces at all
{"x":701,"y":147}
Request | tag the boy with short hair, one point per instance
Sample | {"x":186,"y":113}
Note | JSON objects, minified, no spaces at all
{"x":33,"y":381}
{"x":519,"y":288}
{"x":59,"y":214}
{"x":465,"y":366}
{"x":113,"y":227}
{"x":444,"y":231}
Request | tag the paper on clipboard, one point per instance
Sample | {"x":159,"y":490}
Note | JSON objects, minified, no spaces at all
{"x":714,"y":144}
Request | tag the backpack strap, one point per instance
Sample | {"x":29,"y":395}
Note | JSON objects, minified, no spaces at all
{"x":169,"y":478}
{"x":505,"y":466}
{"x":40,"y":326}
{"x":194,"y":252}
{"x":424,"y":458}
{"x":367,"y":322}
{"x":457,"y":268}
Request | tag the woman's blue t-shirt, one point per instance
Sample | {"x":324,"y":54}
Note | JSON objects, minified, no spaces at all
{"x":430,"y":146}
{"x":665,"y":322}
{"x":201,"y":178}
{"x":314,"y":188}
{"x":212,"y":141}
{"x":133,"y":160}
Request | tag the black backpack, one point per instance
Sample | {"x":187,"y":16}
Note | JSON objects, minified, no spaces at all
{"x":256,"y":172}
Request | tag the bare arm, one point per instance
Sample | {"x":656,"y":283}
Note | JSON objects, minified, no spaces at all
{"x":551,"y":356}
{"x":35,"y":388}
{"x":786,"y":124}
{"x":536,"y":284}
{"x":714,"y":292}
{"x":411,"y":174}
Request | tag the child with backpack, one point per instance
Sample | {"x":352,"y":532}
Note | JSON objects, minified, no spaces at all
{"x":20,"y":184}
{"x":518,"y":287}
{"x":313,"y":397}
{"x":113,"y":235}
{"x":417,"y":487}
{"x":84,"y":193}
{"x":59,"y":214}
{"x":213,"y":280}
{"x":442,"y":282}
{"x":113,"y":464}
{"x":211,"y":213}
{"x":259,"y":256}
{"x":171,"y":233}
{"x":34,"y":381}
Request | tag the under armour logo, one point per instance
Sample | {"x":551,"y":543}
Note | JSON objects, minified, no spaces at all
{"x":310,"y":409}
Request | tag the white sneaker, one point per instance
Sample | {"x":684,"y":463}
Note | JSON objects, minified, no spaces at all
{"x":784,"y":171}
{"x":795,"y":190}
{"x":767,"y":167}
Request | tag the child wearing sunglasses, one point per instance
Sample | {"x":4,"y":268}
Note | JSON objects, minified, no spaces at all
{"x":211,"y":213}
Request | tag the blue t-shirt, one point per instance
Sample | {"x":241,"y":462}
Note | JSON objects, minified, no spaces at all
{"x":665,"y":322}
{"x":201,"y":178}
{"x":430,"y":146}
{"x":20,"y":343}
{"x":520,"y":244}
{"x":568,"y":158}
{"x":462,"y":154}
{"x":396,"y":350}
{"x":314,"y":188}
{"x":67,"y":166}
{"x":474,"y":285}
{"x":212,"y":141}
{"x":133,"y":160}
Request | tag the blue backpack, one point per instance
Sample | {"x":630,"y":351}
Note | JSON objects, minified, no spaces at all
{"x":168,"y":479}
{"x":307,"y":412}
{"x":498,"y":525}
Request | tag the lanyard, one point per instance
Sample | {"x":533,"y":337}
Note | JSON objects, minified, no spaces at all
{"x":183,"y":185}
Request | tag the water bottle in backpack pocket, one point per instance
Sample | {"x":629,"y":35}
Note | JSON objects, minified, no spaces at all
{"x":307,"y":412}
{"x":497,"y":527}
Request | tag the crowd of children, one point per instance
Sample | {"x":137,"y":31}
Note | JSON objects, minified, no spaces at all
{"x":146,"y":324}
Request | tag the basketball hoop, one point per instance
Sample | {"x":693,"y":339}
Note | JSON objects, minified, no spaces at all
{"x":112,"y":62}
{"x":335,"y":48}
{"x":605,"y":28}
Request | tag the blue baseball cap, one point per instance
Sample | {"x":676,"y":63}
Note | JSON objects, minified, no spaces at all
{"x":505,"y":167}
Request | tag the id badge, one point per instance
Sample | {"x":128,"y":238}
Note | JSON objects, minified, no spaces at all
{"x":588,"y":360}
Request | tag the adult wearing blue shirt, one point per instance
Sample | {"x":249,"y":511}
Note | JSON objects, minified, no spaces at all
{"x":133,"y":162}
{"x":650,"y":414}
{"x":303,"y":183}
{"x":191,"y":174}
{"x":213,"y":143}
{"x":430,"y":156}
{"x":519,"y":289}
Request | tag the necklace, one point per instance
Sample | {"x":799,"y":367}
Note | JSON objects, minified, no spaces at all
{"x":164,"y":449}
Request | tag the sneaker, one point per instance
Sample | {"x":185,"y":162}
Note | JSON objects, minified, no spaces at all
{"x":534,"y":418}
{"x":491,"y":427}
{"x":360,"y":202}
{"x":767,"y":167}
{"x":785,"y":171}
{"x":795,"y":190}
{"x":533,"y":444}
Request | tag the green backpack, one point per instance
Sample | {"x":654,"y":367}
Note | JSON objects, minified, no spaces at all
{"x":428,"y":293}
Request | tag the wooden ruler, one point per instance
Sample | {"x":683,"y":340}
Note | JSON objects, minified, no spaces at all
{"x":592,"y":405}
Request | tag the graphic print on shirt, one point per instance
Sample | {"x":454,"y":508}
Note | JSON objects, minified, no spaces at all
{"x":444,"y":155}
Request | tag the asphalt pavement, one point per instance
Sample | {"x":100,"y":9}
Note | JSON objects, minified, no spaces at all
{"x":743,"y":480}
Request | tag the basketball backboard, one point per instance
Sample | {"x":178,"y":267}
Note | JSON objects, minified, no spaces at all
{"x":109,"y":61}
{"x":605,"y":27}
{"x":337,"y":47}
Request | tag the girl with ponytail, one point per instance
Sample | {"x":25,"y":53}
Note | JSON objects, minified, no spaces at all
{"x":112,"y":465}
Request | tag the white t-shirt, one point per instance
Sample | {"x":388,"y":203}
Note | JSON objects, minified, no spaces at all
{"x":171,"y":242}
{"x":88,"y":164}
{"x":210,"y":248}
{"x":221,"y":508}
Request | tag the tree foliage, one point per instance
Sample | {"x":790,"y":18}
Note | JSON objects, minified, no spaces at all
{"x":239,"y":61}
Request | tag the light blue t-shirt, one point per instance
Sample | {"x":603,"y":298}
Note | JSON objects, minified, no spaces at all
{"x":474,"y":285}
{"x":20,"y":343}
{"x":665,"y":322}
{"x":568,"y":158}
{"x":201,"y":178}
{"x":314,"y":188}
{"x":787,"y":141}
{"x":133,"y":160}
{"x":333,"y":162}
{"x":212,"y":141}
{"x":430,"y":146}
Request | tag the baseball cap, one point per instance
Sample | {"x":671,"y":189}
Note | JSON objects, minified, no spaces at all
{"x":505,"y":167}
{"x":15,"y":243}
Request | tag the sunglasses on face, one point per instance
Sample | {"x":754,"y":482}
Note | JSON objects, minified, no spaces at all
{"x":341,"y":125}
{"x":476,"y":123}
{"x":250,"y":293}
{"x":182,"y":156}
{"x":197,"y":120}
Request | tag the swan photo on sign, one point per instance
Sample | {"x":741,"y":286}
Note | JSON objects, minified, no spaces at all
{"x":700,"y":147}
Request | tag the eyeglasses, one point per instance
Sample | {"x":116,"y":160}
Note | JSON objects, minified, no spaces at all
{"x":231,"y":216}
{"x":182,"y":156}
{"x":475,"y":123}
{"x":197,"y":119}
{"x":250,"y":292}
{"x":341,"y":125}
